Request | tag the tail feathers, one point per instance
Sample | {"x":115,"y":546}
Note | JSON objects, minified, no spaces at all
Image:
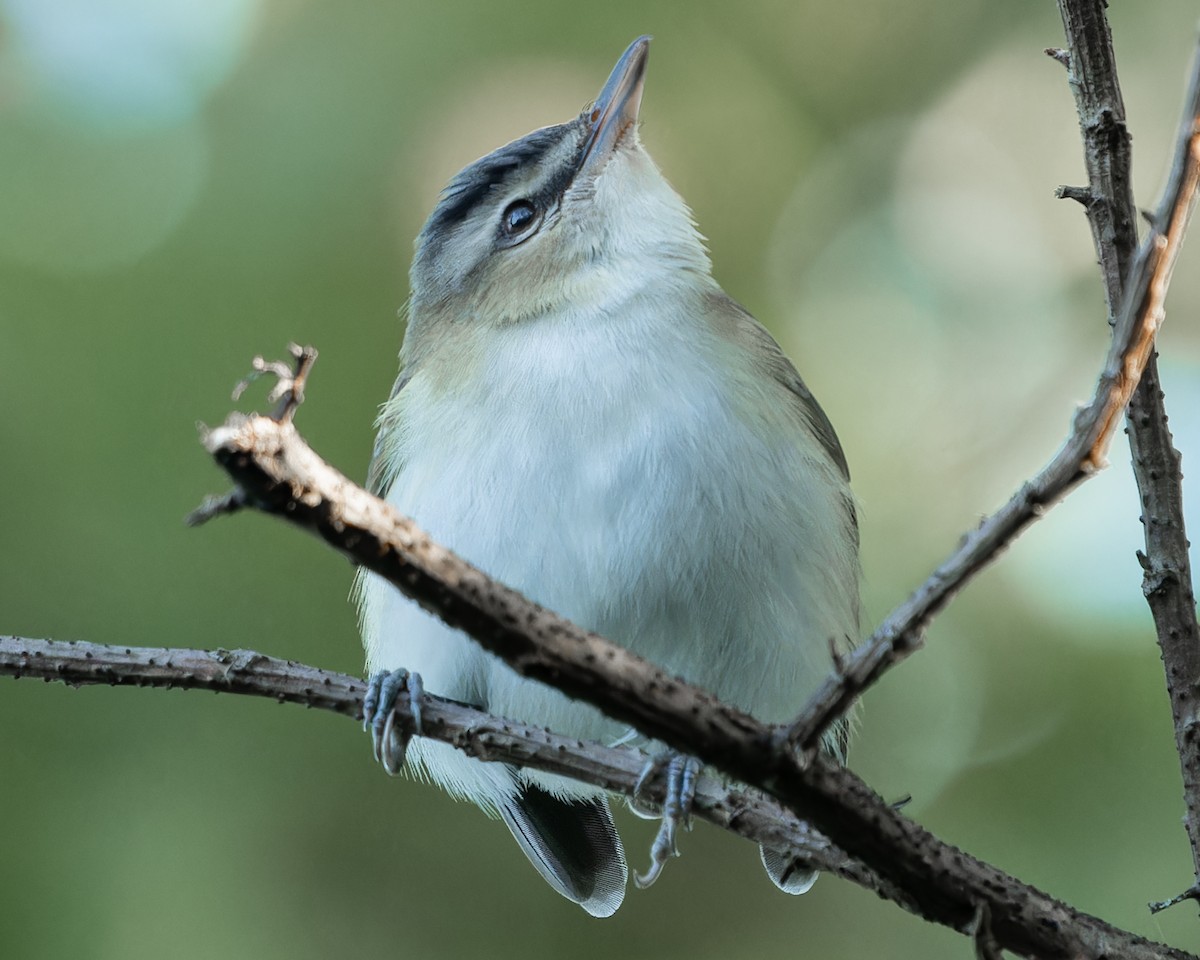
{"x":788,"y":874}
{"x":573,"y":844}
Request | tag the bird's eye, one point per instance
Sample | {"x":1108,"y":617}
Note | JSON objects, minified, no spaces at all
{"x":519,"y":218}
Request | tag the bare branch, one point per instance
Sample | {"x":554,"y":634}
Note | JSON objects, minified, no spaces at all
{"x":1059,"y":54}
{"x":281,"y":475}
{"x":216,"y":506}
{"x":487,"y":738}
{"x":288,"y":391}
{"x":1158,"y":906}
{"x":1083,"y":453}
{"x":1092,"y":74}
{"x":1081,"y":195}
{"x":1167,"y":577}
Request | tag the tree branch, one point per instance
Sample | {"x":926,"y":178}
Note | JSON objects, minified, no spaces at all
{"x":1085,"y":449}
{"x":281,"y":475}
{"x":1167,"y":577}
{"x":487,"y":738}
{"x":1108,"y":197}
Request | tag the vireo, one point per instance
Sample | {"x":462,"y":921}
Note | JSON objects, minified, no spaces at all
{"x":584,"y":413}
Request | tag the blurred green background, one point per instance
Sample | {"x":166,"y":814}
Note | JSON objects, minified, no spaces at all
{"x":186,"y":184}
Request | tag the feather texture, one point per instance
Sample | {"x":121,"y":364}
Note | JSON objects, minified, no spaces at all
{"x":574,"y":846}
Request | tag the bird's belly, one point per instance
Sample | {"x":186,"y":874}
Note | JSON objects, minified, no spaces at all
{"x":648,"y":533}
{"x":633,"y":496}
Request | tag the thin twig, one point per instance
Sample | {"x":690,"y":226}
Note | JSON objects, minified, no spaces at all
{"x":283,"y":476}
{"x":288,"y":391}
{"x":1158,"y":906}
{"x":1083,"y":453}
{"x":488,"y":738}
{"x":1167,"y":576}
{"x":216,"y":506}
{"x":287,"y":394}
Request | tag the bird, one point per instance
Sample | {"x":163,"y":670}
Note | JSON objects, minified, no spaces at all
{"x":586,"y":415}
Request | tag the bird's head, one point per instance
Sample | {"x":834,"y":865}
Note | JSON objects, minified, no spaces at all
{"x":569,"y":217}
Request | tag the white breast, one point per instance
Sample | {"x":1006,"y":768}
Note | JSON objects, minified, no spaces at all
{"x":607,"y":467}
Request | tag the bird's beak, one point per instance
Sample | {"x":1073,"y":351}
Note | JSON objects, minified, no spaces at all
{"x":616,"y":108}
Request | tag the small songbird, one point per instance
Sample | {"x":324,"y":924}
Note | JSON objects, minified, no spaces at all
{"x":583,"y":413}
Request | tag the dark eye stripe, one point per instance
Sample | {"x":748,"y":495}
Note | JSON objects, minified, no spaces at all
{"x":476,"y":183}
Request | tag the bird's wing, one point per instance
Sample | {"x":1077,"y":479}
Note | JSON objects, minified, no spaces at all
{"x":383,"y":467}
{"x":573,"y":844}
{"x":763,"y":346}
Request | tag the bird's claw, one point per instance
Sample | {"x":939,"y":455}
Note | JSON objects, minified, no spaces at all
{"x":681,"y":775}
{"x":389,"y":742}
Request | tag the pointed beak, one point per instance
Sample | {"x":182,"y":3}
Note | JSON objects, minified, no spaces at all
{"x":616,"y":108}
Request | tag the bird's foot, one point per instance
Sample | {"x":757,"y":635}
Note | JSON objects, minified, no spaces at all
{"x":389,"y":739}
{"x":681,"y":774}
